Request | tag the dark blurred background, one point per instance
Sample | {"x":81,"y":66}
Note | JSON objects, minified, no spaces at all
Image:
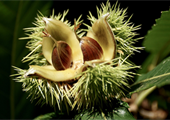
{"x":16,"y":15}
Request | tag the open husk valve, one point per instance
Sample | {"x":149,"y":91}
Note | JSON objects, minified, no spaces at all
{"x":67,"y":55}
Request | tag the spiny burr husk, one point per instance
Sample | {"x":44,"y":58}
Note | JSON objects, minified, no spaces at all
{"x":86,"y":83}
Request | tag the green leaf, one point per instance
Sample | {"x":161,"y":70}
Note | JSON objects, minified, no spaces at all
{"x":158,"y":77}
{"x":121,"y":113}
{"x":47,"y":116}
{"x":15,"y":15}
{"x":117,"y":111}
{"x":157,"y":42}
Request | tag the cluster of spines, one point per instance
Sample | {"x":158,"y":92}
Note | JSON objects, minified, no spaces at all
{"x":123,"y":29}
{"x":100,"y":82}
{"x":111,"y":80}
{"x":36,"y":35}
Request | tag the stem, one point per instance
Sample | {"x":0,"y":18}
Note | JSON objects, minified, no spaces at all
{"x":143,"y":95}
{"x":13,"y":58}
